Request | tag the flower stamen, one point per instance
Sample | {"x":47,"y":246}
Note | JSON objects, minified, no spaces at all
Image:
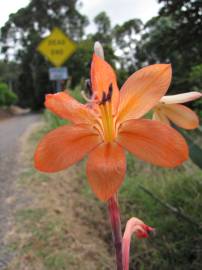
{"x":106,"y":115}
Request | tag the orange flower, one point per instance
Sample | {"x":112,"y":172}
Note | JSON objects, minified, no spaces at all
{"x":109,"y":124}
{"x":168,"y":109}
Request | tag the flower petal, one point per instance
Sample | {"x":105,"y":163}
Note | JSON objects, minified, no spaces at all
{"x":64,"y":146}
{"x":180,"y":98}
{"x":69,"y":108}
{"x":153,"y":142}
{"x":142,"y":90}
{"x":106,"y":168}
{"x":159,"y":116}
{"x":102,"y":76}
{"x":181,"y":115}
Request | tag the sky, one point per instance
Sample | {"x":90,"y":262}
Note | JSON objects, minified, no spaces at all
{"x":119,"y":11}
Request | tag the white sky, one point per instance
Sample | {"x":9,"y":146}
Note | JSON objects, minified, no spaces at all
{"x":119,"y":11}
{"x":10,"y":6}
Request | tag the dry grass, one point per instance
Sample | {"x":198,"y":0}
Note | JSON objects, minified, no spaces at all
{"x":57,"y":227}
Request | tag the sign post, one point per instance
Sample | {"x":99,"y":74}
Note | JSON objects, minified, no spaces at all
{"x":57,"y":48}
{"x":58,"y":75}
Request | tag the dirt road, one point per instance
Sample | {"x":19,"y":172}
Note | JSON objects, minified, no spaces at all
{"x":10,"y":133}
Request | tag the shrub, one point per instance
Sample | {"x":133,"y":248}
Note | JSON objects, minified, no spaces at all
{"x":7,"y":97}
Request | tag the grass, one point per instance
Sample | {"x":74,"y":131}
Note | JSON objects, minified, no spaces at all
{"x":177,"y":244}
{"x":67,"y":227}
{"x":173,"y":206}
{"x":53,"y":229}
{"x":178,"y":240}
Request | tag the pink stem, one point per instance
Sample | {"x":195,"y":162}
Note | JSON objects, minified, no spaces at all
{"x":114,"y":214}
{"x":126,"y":252}
{"x":140,"y":229}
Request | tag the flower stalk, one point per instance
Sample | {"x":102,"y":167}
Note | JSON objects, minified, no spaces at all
{"x":140,"y":229}
{"x":115,"y":220}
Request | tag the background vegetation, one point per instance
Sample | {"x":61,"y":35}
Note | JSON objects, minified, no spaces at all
{"x":7,"y":97}
{"x":169,"y":200}
{"x":173,"y":36}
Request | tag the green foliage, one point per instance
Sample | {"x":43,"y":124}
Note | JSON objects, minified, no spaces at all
{"x":32,"y":82}
{"x":79,"y":64}
{"x":59,"y":261}
{"x":175,"y":37}
{"x":187,"y":15}
{"x":76,"y":93}
{"x":104,"y":31}
{"x":195,"y":151}
{"x":7,"y":97}
{"x":177,"y":244}
{"x":198,"y":105}
{"x":53,"y":120}
{"x":125,"y":36}
{"x":9,"y":71}
{"x":195,"y":77}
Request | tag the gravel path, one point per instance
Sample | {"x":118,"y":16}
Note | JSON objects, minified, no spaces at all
{"x":10,"y":133}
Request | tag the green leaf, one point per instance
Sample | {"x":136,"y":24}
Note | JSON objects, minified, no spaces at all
{"x":194,"y":149}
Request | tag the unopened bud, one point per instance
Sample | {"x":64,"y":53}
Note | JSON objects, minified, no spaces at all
{"x":98,"y":49}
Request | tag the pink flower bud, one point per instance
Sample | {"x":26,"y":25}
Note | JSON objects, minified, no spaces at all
{"x":180,"y":98}
{"x":141,"y":230}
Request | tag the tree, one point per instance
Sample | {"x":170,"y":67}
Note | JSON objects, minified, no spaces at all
{"x":126,"y":38}
{"x":103,"y":27}
{"x":174,"y":36}
{"x":25,"y":34}
{"x":188,"y":26}
{"x":9,"y":72}
{"x":7,"y":97}
{"x":187,"y":15}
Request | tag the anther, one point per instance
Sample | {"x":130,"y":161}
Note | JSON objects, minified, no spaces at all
{"x":109,"y":95}
{"x":104,"y":99}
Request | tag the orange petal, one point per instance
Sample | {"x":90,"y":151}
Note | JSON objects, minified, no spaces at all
{"x":142,"y":91}
{"x":64,"y":146}
{"x":159,"y":116}
{"x":154,"y":142}
{"x":106,"y":169}
{"x":181,"y":115}
{"x":69,"y":108}
{"x":102,"y":76}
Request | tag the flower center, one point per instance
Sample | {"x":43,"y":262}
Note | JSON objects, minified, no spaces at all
{"x":106,"y":116}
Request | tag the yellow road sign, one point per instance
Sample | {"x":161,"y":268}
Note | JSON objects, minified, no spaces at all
{"x":57,"y":47}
